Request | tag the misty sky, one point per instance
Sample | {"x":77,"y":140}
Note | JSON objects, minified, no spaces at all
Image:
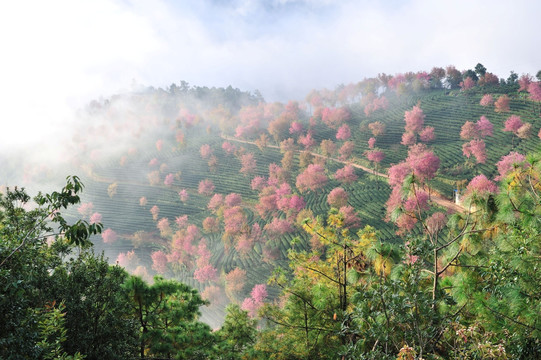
{"x":58,"y":55}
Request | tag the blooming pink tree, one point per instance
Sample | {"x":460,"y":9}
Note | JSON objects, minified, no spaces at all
{"x":475,"y":147}
{"x":423,"y":162}
{"x":109,"y":236}
{"x":205,"y":151}
{"x":154,"y":162}
{"x":414,"y":119}
{"x":346,"y":175}
{"x":427,"y":134}
{"x":234,"y":221}
{"x":169,"y":179}
{"x":502,"y":104}
{"x":127,"y":260}
{"x":248,"y":164}
{"x":371,"y":143}
{"x":524,"y":81}
{"x":164,"y":227}
{"x":467,"y":84}
{"x":258,"y":183}
{"x":244,"y":245}
{"x":513,"y":123}
{"x":183,"y":195}
{"x":95,"y":218}
{"x":484,"y":126}
{"x":535,"y":91}
{"x":481,"y":186}
{"x":235,"y":280}
{"x":486,"y":100}
{"x":408,"y":138}
{"x":346,"y":150}
{"x":159,"y":261}
{"x":278,"y":227}
{"x":206,"y":273}
{"x":86,"y":209}
{"x":228,"y":147}
{"x":507,"y":163}
{"x":181,"y":221}
{"x":143,"y":201}
{"x":206,"y":187}
{"x":215,"y":202}
{"x":337,"y":198}
{"x":296,"y":128}
{"x":155,"y":210}
{"x":307,"y":141}
{"x":233,"y":199}
{"x":159,"y":145}
{"x":343,"y":133}
{"x":375,"y":156}
{"x":312,"y":178}
{"x":255,"y":301}
{"x":351,"y":217}
{"x":333,"y":118}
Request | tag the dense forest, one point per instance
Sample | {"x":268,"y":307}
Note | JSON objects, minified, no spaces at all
{"x":393,"y":218}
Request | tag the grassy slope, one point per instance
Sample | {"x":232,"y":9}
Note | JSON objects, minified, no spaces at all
{"x":445,"y":111}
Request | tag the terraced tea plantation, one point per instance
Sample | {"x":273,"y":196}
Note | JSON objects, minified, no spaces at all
{"x":139,"y":195}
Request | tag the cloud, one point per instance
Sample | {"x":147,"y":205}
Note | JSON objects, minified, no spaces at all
{"x":61,"y":54}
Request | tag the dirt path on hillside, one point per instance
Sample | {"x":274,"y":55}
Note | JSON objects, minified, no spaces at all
{"x":434,"y":196}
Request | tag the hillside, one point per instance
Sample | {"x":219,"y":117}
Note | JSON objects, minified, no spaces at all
{"x":168,"y":141}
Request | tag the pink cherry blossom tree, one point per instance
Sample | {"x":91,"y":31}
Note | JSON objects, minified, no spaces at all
{"x":486,"y":100}
{"x":371,"y":143}
{"x":248,"y":164}
{"x":312,"y":178}
{"x":143,"y":201}
{"x":206,"y":187}
{"x":155,"y":210}
{"x":169,"y":179}
{"x":159,"y":261}
{"x":513,"y":123}
{"x":183,"y":195}
{"x":343,"y":133}
{"x":86,"y":209}
{"x":337,"y":198}
{"x":109,"y":236}
{"x":164,"y":227}
{"x":346,"y":150}
{"x":228,"y":147}
{"x":507,"y":163}
{"x":414,"y":119}
{"x":233,"y":199}
{"x":475,"y":147}
{"x":351,"y":217}
{"x":296,"y":128}
{"x":95,"y":218}
{"x":346,"y":175}
{"x":427,"y":134}
{"x":481,"y":186}
{"x":207,"y":273}
{"x":502,"y":104}
{"x":484,"y":126}
{"x":205,"y":151}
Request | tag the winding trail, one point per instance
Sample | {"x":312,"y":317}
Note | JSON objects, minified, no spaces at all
{"x":434,"y":196}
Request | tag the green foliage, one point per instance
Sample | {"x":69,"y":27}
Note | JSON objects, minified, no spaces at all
{"x":237,"y":336}
{"x":53,"y":334}
{"x":167,"y":312}
{"x":26,"y":261}
{"x":97,"y":319}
